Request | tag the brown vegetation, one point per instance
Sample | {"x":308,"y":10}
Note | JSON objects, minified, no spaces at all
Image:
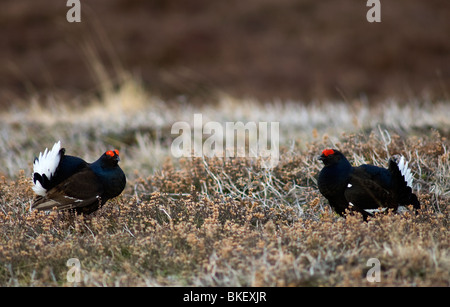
{"x":302,"y":50}
{"x":224,"y":221}
{"x":228,"y":222}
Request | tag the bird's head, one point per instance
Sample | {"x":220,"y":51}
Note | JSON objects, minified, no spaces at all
{"x":331,"y":156}
{"x":111,"y":157}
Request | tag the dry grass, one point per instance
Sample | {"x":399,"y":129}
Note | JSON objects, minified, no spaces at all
{"x":225,"y":221}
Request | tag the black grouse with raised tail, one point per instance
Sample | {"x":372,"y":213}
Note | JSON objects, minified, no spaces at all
{"x":68,"y":182}
{"x":366,"y":188}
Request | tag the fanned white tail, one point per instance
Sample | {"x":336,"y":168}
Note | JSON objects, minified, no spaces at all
{"x":46,"y":164}
{"x":405,"y":171}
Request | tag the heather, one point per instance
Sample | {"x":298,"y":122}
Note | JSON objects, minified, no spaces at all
{"x":224,"y":221}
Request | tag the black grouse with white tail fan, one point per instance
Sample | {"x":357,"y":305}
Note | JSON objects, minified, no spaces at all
{"x":67,"y":182}
{"x":366,"y":188}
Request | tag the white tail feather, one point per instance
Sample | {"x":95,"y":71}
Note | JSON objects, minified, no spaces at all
{"x":46,"y":164}
{"x":405,"y":171}
{"x":39,"y":189}
{"x":372,"y":211}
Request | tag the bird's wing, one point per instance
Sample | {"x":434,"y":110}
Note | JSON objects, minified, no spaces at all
{"x":79,"y":190}
{"x":366,"y":193}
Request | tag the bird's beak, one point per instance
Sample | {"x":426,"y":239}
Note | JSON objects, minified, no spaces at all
{"x":321,"y":157}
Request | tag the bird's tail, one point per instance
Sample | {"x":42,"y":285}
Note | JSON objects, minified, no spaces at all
{"x":44,"y":168}
{"x":402,"y":180}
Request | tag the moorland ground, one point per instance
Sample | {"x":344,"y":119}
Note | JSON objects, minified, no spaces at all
{"x":224,"y":221}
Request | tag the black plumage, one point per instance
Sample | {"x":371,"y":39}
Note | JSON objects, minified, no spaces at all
{"x":366,"y":188}
{"x":68,"y":182}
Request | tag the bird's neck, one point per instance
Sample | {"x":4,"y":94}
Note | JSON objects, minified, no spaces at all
{"x":343,"y":168}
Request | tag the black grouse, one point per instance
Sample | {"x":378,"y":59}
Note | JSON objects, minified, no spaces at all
{"x":366,"y":188}
{"x":68,"y":182}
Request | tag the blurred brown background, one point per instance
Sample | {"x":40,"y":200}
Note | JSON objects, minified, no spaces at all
{"x":267,"y":49}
